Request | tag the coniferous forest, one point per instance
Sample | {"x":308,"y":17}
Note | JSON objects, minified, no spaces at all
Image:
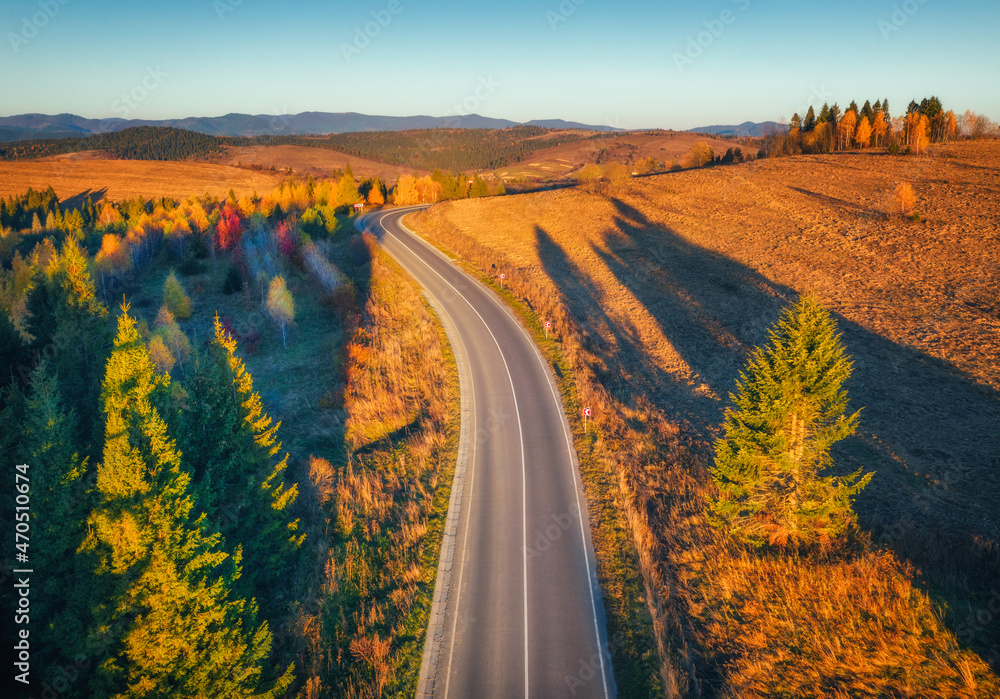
{"x":186,"y":386}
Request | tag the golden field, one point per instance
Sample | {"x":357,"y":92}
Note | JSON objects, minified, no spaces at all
{"x":628,"y":148}
{"x":659,"y":290}
{"x":82,"y":174}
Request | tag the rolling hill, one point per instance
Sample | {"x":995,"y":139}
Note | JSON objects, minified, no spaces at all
{"x":29,"y":126}
{"x":751,"y":129}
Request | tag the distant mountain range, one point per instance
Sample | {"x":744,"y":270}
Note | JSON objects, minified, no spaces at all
{"x":29,"y":126}
{"x":750,"y":129}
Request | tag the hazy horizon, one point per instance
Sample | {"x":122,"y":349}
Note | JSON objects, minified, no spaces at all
{"x":634,"y":65}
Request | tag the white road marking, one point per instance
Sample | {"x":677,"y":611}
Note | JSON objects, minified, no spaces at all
{"x":569,"y":448}
{"x":520,"y":431}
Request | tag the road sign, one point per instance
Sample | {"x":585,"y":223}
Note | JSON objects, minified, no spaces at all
{"x":548,"y":324}
{"x":502,"y":277}
{"x":359,"y":205}
{"x":586,"y":414}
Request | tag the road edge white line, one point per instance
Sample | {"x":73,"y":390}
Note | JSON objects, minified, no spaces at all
{"x":591,"y":572}
{"x":520,"y":430}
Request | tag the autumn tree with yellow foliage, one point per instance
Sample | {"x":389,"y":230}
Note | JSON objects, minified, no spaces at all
{"x":280,"y":306}
{"x":864,"y":133}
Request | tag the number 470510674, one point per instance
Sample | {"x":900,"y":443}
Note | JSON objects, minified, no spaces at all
{"x":23,"y":486}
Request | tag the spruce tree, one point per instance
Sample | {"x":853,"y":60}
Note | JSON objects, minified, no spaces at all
{"x":165,"y":621}
{"x":59,"y":508}
{"x":810,"y":122}
{"x":69,"y":326}
{"x":234,"y":453}
{"x":15,"y":358}
{"x":771,"y":467}
{"x":866,"y":111}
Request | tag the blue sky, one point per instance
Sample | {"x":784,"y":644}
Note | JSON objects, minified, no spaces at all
{"x":630,"y":64}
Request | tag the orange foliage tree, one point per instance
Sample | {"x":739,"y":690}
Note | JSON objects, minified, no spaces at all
{"x":879,"y":128}
{"x":922,"y":134}
{"x":950,"y":126}
{"x":864,"y":133}
{"x":405,"y":191}
{"x":845,"y":130}
{"x":428,"y":191}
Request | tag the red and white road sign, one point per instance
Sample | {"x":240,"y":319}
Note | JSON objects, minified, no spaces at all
{"x":586,"y":411}
{"x":548,"y":324}
{"x":503,"y":276}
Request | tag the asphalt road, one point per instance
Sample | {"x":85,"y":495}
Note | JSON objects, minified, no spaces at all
{"x":517,"y":606}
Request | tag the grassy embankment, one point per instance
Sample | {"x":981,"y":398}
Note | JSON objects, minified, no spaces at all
{"x":655,"y":296}
{"x":385,"y":504}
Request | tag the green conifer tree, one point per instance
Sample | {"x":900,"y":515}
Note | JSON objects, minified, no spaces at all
{"x":789,"y":410}
{"x":232,"y":448}
{"x":69,"y":325}
{"x":165,"y":620}
{"x":59,"y":508}
{"x":478,"y":188}
{"x":15,"y":358}
{"x":810,"y":121}
{"x":866,"y":111}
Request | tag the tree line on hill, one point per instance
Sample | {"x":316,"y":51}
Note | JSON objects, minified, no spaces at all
{"x":41,"y":211}
{"x":873,"y":126}
{"x":134,"y":143}
{"x":424,"y":149}
{"x":449,"y":149}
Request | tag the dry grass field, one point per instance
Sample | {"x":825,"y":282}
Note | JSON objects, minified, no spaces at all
{"x":76,"y":174}
{"x":629,"y":148}
{"x":658,"y":292}
{"x":319,"y":162}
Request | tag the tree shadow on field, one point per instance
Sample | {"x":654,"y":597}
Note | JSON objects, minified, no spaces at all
{"x":842,"y":204}
{"x":78,"y":200}
{"x":929,"y":432}
{"x":620,"y":362}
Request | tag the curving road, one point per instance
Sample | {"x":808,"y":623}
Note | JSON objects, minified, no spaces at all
{"x":517,"y":608}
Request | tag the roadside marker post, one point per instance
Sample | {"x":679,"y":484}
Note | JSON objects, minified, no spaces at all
{"x":548,"y":324}
{"x":586,"y":414}
{"x":502,"y":277}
